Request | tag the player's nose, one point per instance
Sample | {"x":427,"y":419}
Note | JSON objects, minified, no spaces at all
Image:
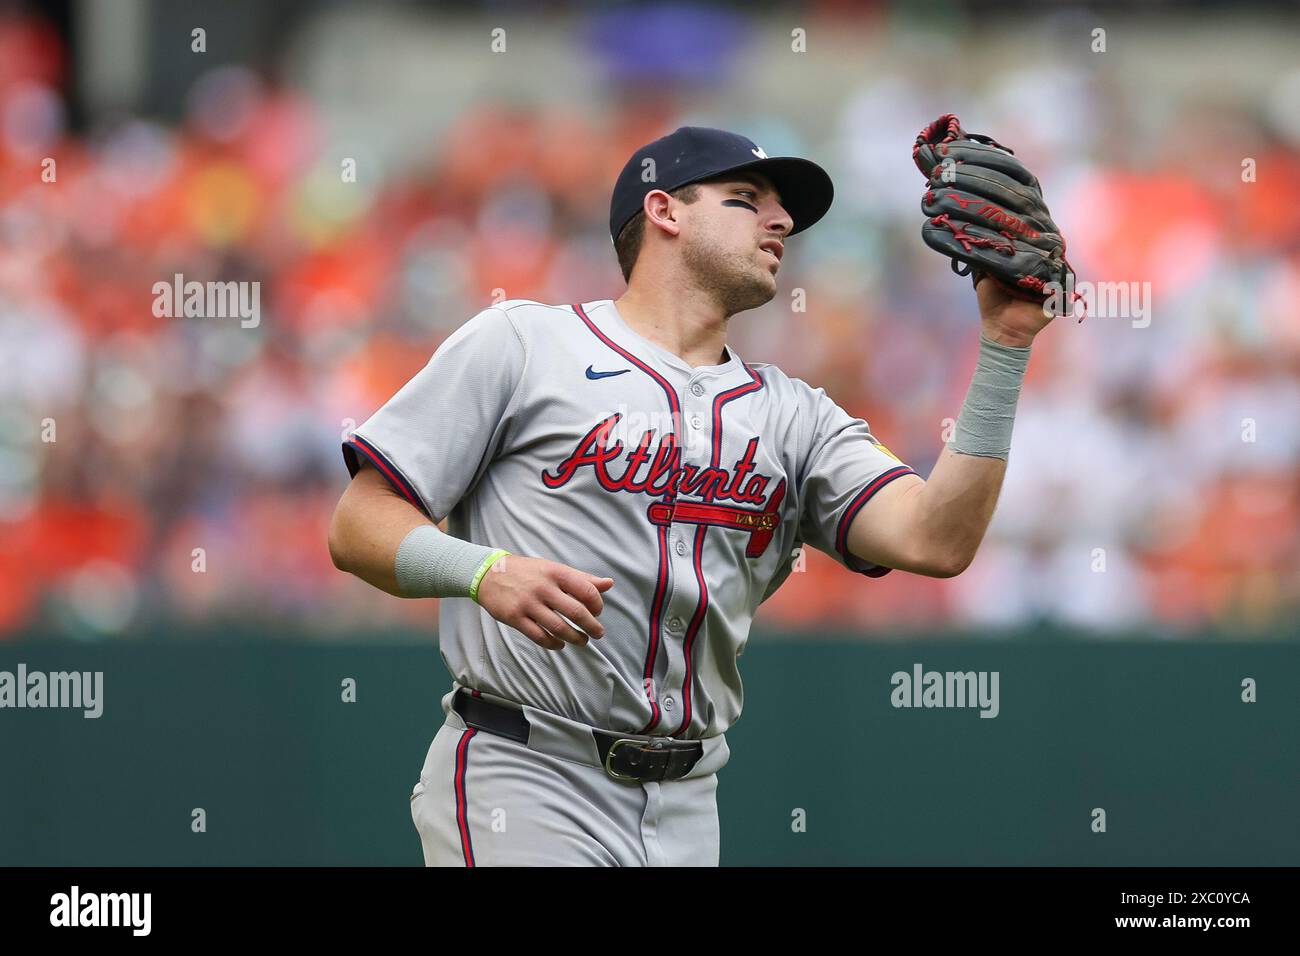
{"x":777,"y":220}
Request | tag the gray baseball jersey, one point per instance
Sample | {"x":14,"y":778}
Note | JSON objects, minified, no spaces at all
{"x":556,"y":431}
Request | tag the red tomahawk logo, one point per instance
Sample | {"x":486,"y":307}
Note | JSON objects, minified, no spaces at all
{"x":760,"y":524}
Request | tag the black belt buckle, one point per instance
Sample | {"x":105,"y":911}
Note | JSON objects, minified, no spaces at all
{"x":659,"y":758}
{"x":630,"y":759}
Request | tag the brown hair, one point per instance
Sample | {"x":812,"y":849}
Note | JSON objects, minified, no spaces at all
{"x":628,"y":244}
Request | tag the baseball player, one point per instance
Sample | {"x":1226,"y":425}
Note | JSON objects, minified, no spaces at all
{"x":622,"y":491}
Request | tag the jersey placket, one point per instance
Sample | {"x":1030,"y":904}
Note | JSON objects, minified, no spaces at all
{"x":688,"y":594}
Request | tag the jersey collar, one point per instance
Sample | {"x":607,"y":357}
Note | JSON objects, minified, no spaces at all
{"x":661,"y":354}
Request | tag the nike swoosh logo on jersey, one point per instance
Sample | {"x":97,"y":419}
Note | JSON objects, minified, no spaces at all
{"x":593,"y":374}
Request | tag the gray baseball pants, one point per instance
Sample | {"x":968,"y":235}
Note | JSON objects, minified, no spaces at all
{"x":487,"y":800}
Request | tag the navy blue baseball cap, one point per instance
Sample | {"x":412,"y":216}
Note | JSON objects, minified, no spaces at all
{"x":692,"y":154}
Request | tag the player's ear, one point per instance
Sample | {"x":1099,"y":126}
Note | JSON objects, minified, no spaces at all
{"x":659,"y":209}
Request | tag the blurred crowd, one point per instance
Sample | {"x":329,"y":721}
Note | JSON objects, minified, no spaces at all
{"x":179,"y":472}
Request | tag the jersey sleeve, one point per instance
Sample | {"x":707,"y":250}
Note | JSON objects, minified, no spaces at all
{"x":435,"y":437}
{"x":844,"y":465}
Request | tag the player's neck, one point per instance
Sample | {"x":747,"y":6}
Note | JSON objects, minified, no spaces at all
{"x":694,"y":331}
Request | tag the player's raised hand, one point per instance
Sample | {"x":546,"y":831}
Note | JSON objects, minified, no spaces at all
{"x":550,"y":603}
{"x":1006,"y":319}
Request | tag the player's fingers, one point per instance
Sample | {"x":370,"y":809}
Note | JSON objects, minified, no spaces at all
{"x":557,"y":626}
{"x":586,"y":587}
{"x":578,"y":613}
{"x":537,"y":634}
{"x":584,"y":591}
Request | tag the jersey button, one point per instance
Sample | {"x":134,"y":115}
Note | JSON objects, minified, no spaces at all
{"x":675,"y":624}
{"x":681,"y":547}
{"x":696,"y":423}
{"x":697,"y":389}
{"x":668,"y":703}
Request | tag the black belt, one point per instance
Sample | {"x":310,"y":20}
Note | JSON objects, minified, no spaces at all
{"x":624,"y":758}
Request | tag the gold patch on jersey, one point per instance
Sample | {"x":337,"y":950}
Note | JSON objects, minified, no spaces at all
{"x":876,"y":441}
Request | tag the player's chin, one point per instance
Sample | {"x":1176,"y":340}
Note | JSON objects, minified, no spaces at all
{"x":760,"y":291}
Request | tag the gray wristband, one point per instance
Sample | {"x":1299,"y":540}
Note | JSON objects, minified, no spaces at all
{"x":986,"y":418}
{"x":432,"y":564}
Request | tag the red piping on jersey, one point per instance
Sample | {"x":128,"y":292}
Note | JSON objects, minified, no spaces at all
{"x":656,"y":617}
{"x":751,"y":386}
{"x":863,"y":496}
{"x":700,"y":609}
{"x":661,"y":581}
{"x":462,"y":804}
{"x":385,"y":468}
{"x":701,"y":533}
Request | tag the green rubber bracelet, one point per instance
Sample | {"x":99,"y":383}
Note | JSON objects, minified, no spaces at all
{"x":490,"y":560}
